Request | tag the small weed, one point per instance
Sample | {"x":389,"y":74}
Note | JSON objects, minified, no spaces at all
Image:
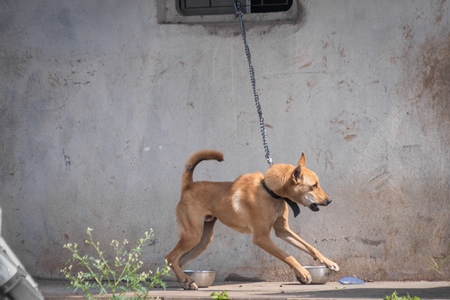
{"x":438,"y":263}
{"x":116,"y":278}
{"x":220,"y":296}
{"x":395,"y":297}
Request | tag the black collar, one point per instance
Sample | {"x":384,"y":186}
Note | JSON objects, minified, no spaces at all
{"x":292,"y":204}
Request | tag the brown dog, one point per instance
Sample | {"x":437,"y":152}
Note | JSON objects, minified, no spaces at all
{"x":252,"y":204}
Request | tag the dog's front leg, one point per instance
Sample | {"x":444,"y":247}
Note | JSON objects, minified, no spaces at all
{"x":264,"y":241}
{"x":296,"y":241}
{"x":283,"y":231}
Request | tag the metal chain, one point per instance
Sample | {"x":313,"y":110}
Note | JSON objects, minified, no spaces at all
{"x":237,"y":7}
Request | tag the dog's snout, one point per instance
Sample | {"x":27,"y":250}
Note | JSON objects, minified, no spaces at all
{"x":325,"y":202}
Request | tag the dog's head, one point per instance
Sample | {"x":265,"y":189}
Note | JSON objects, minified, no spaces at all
{"x":297,"y":183}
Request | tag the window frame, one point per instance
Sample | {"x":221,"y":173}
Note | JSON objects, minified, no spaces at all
{"x":168,"y":12}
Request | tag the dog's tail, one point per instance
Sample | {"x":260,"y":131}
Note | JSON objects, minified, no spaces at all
{"x":194,"y":160}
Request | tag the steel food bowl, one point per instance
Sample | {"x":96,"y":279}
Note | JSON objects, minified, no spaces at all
{"x":319,"y":274}
{"x":202,"y":278}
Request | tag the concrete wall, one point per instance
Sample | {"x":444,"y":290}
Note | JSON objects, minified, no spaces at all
{"x":100,"y":107}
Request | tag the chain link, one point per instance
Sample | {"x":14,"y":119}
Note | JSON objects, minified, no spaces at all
{"x":237,"y":7}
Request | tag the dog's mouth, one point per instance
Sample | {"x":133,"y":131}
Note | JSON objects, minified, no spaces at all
{"x":315,"y":206}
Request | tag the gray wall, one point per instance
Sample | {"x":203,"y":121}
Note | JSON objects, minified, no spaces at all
{"x":101,"y":105}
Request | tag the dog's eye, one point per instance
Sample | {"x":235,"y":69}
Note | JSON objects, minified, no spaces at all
{"x":315,"y":186}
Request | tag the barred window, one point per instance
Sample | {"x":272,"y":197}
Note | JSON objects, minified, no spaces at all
{"x":220,"y":7}
{"x":222,"y":11}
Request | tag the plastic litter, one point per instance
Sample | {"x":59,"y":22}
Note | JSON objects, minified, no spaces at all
{"x":351,"y":280}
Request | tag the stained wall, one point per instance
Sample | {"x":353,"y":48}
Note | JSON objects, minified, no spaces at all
{"x":100,"y":107}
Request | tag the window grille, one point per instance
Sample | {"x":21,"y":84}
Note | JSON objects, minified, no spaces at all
{"x":222,"y":11}
{"x":220,"y":7}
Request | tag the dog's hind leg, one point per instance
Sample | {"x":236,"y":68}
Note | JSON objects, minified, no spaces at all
{"x":189,"y":238}
{"x":207,"y":237}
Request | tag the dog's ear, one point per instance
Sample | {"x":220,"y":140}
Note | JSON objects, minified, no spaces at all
{"x":297,"y":174}
{"x":302,"y":160}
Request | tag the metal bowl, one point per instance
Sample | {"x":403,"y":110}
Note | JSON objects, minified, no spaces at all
{"x":319,"y":274}
{"x":202,"y":278}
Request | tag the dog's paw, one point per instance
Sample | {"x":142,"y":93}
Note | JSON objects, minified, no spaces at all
{"x":189,"y":284}
{"x":330,"y":264}
{"x":303,"y":276}
{"x":334,"y":267}
{"x":193,"y":286}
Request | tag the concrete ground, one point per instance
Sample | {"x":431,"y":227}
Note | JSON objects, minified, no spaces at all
{"x":56,"y":290}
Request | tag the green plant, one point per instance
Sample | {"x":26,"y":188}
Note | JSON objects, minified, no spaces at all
{"x":438,"y":263}
{"x":220,"y":296}
{"x":395,"y":297}
{"x":116,"y":278}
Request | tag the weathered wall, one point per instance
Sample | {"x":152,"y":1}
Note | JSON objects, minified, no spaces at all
{"x":100,"y":107}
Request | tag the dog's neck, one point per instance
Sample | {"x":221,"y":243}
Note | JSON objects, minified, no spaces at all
{"x":292,"y":204}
